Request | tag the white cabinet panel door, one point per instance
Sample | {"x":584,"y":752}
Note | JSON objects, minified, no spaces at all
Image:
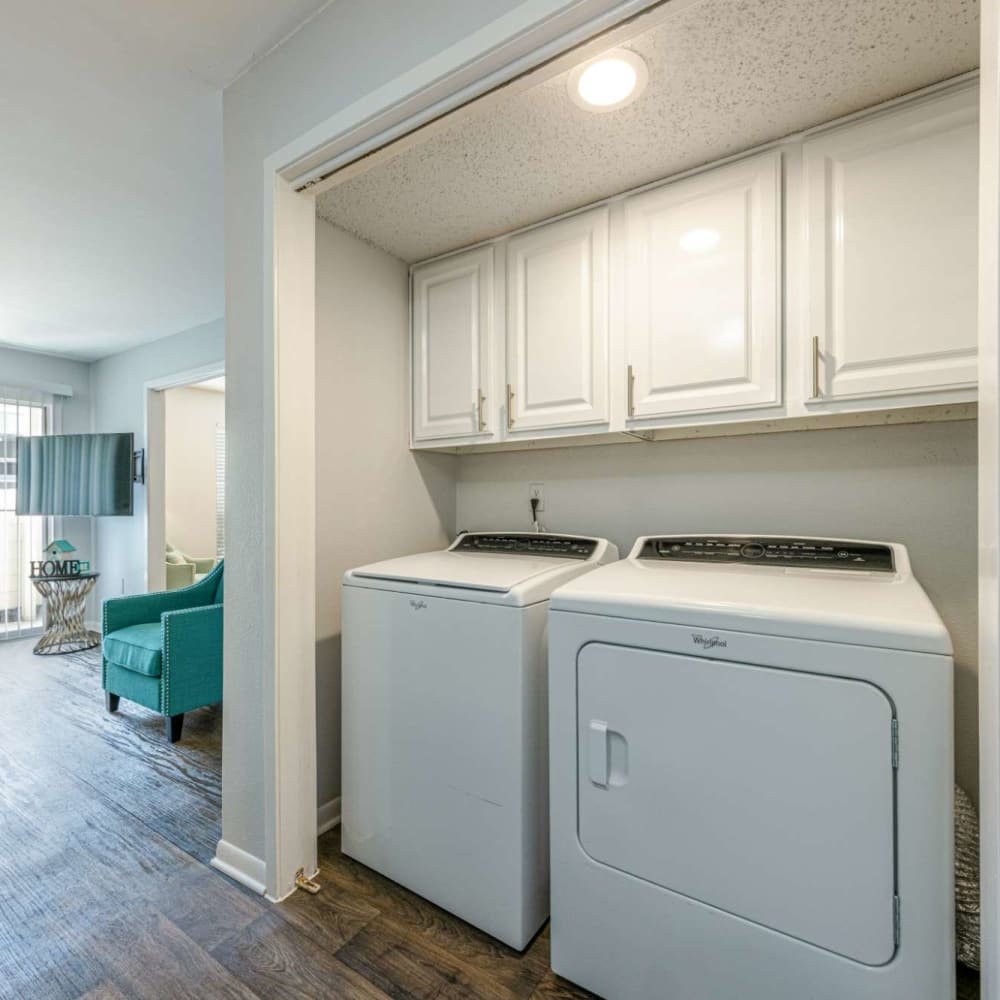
{"x":557,"y":324}
{"x":702,"y":291}
{"x":892,"y":247}
{"x":452,"y":333}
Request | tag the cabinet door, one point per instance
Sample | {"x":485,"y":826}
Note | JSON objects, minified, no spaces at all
{"x":892,"y":252}
{"x":557,"y":324}
{"x":452,"y":333}
{"x":702,"y":288}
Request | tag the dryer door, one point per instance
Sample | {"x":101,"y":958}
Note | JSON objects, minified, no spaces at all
{"x":766,"y":793}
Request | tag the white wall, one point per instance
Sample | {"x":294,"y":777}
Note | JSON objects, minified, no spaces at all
{"x":192,"y":418}
{"x":119,"y":391}
{"x":345,"y":52}
{"x":912,"y":484}
{"x":375,"y":498}
{"x":73,"y":416}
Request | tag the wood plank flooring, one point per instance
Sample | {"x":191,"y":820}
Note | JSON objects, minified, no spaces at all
{"x":105,"y":891}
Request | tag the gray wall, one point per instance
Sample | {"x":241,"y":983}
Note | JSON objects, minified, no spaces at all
{"x":375,"y":498}
{"x":119,"y":389}
{"x":912,"y":484}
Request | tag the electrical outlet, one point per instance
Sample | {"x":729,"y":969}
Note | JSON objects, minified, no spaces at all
{"x":537,"y":490}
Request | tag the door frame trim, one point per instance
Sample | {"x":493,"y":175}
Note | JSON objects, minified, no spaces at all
{"x":989,"y":497}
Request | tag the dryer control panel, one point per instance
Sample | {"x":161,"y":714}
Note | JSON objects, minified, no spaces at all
{"x":771,"y":551}
{"x":515,"y":543}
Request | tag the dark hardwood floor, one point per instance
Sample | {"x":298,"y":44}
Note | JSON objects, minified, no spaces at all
{"x":106,"y":831}
{"x":105,"y":891}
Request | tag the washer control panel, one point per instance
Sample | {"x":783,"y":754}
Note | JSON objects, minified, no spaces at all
{"x":540,"y":544}
{"x":771,"y":551}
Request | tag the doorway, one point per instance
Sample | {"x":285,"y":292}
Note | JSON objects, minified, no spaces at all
{"x":185,"y":476}
{"x":194,"y":480}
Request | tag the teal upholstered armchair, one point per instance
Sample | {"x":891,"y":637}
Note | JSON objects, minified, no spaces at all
{"x":164,"y":650}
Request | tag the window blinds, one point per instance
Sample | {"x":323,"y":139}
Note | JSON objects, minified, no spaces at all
{"x":23,"y":412}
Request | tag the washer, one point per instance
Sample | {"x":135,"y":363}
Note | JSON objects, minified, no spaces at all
{"x":751,"y":774}
{"x":445,"y":721}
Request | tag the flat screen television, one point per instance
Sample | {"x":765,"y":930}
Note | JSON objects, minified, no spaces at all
{"x":75,"y":475}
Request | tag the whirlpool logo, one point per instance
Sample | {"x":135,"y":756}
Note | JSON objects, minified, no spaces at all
{"x":418,"y":605}
{"x":708,"y":641}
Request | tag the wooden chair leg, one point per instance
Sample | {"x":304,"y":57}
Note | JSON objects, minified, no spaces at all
{"x":175,"y":723}
{"x":111,"y":701}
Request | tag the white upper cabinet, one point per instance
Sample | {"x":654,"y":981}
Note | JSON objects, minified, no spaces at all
{"x":452,"y":339}
{"x":891,"y":207}
{"x":702,"y":292}
{"x":665,"y":308}
{"x":557,"y":324}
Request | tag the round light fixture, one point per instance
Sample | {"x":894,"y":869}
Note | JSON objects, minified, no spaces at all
{"x":608,"y":82}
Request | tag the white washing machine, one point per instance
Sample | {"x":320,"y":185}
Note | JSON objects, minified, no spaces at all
{"x":445,"y":769}
{"x":751,"y":774}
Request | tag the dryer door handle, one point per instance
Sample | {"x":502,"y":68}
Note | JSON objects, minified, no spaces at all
{"x":597,"y":752}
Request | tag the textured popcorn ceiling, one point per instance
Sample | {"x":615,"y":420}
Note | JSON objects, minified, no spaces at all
{"x":724,"y":75}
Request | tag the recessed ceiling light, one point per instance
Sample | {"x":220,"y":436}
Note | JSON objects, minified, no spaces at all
{"x":608,"y":82}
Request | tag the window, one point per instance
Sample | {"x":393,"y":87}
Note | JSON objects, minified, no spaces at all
{"x":21,"y":538}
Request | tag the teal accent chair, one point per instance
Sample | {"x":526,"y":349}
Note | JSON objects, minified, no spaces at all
{"x":164,"y":650}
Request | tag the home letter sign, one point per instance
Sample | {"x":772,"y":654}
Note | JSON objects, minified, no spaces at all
{"x":56,"y":567}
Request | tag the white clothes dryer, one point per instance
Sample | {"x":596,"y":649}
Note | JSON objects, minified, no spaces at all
{"x":445,"y":765}
{"x":751,"y":774}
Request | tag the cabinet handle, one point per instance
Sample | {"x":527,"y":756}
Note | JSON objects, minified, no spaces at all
{"x":815,"y":392}
{"x":631,"y":391}
{"x":480,"y":399}
{"x":510,"y":406}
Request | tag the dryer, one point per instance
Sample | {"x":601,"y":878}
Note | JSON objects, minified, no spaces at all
{"x":445,"y":767}
{"x":751,"y":774}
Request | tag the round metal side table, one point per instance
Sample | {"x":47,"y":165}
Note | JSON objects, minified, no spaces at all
{"x":65,"y":602}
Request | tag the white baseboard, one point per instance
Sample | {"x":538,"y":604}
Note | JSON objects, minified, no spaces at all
{"x":328,"y":816}
{"x":245,"y":868}
{"x":251,"y":871}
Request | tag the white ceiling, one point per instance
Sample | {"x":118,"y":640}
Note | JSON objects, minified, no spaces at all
{"x":111,"y":153}
{"x":724,"y":76}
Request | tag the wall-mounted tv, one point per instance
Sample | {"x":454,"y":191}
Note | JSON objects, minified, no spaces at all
{"x":75,"y":475}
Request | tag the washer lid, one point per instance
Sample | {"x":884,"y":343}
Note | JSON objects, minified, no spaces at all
{"x":879,"y":607}
{"x":472,"y":570}
{"x":516,"y":568}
